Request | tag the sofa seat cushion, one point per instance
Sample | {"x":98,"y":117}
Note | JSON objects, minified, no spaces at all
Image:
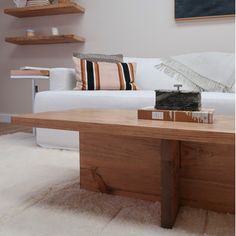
{"x":63,"y":100}
{"x":223,"y":103}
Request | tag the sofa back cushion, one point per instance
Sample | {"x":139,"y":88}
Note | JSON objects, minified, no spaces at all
{"x":62,"y":79}
{"x":104,"y":76}
{"x":149,"y":78}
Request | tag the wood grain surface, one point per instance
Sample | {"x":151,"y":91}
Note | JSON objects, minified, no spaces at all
{"x":125,"y":122}
{"x":174,"y":162}
{"x":170,"y":191}
{"x":208,"y":176}
{"x":30,"y":72}
{"x":53,"y":9}
{"x":6,"y":128}
{"x":114,"y":164}
{"x":52,"y":39}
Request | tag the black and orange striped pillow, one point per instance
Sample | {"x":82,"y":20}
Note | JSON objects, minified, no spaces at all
{"x":104,"y":76}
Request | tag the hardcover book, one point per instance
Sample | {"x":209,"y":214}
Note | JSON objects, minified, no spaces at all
{"x":202,"y":116}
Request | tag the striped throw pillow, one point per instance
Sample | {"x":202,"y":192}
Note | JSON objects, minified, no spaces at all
{"x":104,"y":75}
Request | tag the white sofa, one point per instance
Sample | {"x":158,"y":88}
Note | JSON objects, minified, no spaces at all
{"x":62,"y":97}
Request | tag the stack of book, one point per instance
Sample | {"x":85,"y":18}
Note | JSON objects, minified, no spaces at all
{"x":177,"y":105}
{"x":202,"y":116}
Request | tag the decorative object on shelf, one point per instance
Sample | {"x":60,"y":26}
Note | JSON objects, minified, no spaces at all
{"x":55,"y":31}
{"x":20,"y":3}
{"x":30,"y":33}
{"x":44,"y":8}
{"x":36,"y":3}
{"x":178,"y":100}
{"x":202,"y":116}
{"x":190,"y":9}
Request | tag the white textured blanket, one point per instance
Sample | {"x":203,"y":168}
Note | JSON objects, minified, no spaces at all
{"x":208,"y":71}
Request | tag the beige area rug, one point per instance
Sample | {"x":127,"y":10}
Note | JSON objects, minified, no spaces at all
{"x":40,"y":196}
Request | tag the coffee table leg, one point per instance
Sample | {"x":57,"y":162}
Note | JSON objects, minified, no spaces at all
{"x":170,"y":161}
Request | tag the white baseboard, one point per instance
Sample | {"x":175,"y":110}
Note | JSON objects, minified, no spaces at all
{"x":5,"y":118}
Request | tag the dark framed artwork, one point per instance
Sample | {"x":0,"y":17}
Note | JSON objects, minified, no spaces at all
{"x":190,"y":9}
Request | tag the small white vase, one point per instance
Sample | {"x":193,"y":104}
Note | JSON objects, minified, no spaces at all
{"x":20,"y":3}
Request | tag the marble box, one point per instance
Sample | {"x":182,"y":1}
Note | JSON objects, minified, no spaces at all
{"x":178,"y":100}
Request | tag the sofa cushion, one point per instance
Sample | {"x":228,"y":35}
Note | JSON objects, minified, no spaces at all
{"x":149,"y":78}
{"x":63,"y":100}
{"x":104,"y":76}
{"x":62,"y":79}
{"x":223,"y":103}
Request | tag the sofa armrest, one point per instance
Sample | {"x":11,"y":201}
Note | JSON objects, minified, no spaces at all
{"x":62,"y":79}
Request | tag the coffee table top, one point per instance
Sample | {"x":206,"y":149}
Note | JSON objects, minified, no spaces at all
{"x":125,"y":122}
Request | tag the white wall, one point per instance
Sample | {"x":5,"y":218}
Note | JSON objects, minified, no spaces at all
{"x":132,"y":27}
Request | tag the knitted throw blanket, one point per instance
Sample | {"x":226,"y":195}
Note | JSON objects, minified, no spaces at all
{"x":208,"y":71}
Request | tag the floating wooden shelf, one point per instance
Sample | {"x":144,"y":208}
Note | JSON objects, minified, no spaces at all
{"x":23,"y":40}
{"x":53,"y":9}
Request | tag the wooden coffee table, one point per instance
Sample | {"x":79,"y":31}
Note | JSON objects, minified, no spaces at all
{"x":175,"y":163}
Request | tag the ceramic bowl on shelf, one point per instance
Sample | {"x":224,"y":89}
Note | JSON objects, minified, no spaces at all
{"x":30,"y":33}
{"x":20,"y":3}
{"x":38,"y":3}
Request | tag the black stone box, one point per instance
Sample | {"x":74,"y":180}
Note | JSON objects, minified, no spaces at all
{"x":178,"y":100}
